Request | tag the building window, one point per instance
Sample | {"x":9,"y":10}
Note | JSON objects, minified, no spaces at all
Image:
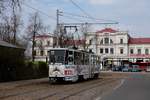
{"x":90,"y":42}
{"x":111,"y":42}
{"x":106,"y":50}
{"x":146,"y":51}
{"x":106,"y":40}
{"x":41,"y":44}
{"x":34,"y":53}
{"x":112,"y":50}
{"x":47,"y":53}
{"x":131,"y":51}
{"x":101,"y":50}
{"x":48,"y":43}
{"x":121,"y":51}
{"x":121,"y":41}
{"x":42,"y":52}
{"x":101,"y":41}
{"x":139,"y":51}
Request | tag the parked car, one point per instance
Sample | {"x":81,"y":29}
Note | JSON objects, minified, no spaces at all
{"x":116,"y":68}
{"x":148,"y":69}
{"x":125,"y":69}
{"x":136,"y":68}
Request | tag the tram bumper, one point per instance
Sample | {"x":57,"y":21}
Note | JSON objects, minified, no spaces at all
{"x":65,"y":78}
{"x":56,"y":79}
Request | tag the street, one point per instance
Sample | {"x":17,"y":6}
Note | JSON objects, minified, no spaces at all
{"x":41,"y":89}
{"x":136,"y":87}
{"x":109,"y":86}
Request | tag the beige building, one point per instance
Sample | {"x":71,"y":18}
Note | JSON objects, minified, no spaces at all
{"x":43,"y":44}
{"x":112,"y":45}
{"x":118,"y":45}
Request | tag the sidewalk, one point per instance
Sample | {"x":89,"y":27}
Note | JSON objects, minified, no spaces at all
{"x":15,"y":84}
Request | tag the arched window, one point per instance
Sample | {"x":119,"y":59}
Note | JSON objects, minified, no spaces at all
{"x":146,"y":51}
{"x":101,"y":42}
{"x":106,"y":40}
{"x":91,"y":41}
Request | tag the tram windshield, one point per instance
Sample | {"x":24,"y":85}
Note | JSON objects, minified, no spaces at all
{"x":57,"y":56}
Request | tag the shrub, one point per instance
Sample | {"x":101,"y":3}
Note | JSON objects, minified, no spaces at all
{"x":43,"y":68}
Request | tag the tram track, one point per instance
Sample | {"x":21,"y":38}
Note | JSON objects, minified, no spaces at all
{"x":76,"y":91}
{"x":85,"y":89}
{"x":58,"y":88}
{"x":43,"y":90}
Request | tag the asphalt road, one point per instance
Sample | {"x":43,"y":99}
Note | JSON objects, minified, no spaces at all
{"x":136,"y":87}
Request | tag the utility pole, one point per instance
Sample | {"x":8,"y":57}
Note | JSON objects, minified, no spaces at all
{"x":57,"y":28}
{"x":33,"y":46}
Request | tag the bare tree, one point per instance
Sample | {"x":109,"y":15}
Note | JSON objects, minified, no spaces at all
{"x":5,"y":29}
{"x":9,"y":27}
{"x":85,"y":28}
{"x":10,"y":22}
{"x":34,"y":27}
{"x":14,"y":4}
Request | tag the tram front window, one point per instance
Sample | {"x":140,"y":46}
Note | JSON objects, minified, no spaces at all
{"x":57,"y":56}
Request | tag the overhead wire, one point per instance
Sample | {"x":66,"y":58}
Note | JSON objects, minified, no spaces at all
{"x":39,"y":11}
{"x":75,"y":4}
{"x":87,"y":15}
{"x":73,"y":18}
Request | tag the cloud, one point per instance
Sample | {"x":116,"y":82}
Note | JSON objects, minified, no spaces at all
{"x":101,"y":2}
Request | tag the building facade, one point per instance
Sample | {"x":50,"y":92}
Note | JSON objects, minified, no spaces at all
{"x":42,"y":45}
{"x":118,"y":45}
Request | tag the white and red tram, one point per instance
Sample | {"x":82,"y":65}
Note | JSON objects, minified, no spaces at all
{"x":72,"y":65}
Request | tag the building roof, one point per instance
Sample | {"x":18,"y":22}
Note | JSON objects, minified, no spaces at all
{"x":76,"y":42}
{"x":139,"y":41}
{"x":6,"y":44}
{"x":110,"y":30}
{"x":43,"y":36}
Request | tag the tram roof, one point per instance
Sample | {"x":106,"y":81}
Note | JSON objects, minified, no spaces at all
{"x":77,"y":50}
{"x":61,"y":49}
{"x":67,"y":49}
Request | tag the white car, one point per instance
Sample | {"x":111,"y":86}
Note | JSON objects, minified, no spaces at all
{"x":148,"y":69}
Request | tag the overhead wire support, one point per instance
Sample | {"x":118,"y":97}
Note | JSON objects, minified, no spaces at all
{"x":86,"y":23}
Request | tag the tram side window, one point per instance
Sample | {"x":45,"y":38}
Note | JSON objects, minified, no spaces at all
{"x":86,"y":59}
{"x":99,"y":60}
{"x":82,"y":58}
{"x":66,"y":57}
{"x":70,"y":57}
{"x":94,"y":60}
{"x":77,"y":58}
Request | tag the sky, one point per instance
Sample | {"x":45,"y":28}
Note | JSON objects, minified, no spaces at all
{"x":132,"y":15}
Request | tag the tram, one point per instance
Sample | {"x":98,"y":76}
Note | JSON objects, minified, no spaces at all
{"x":72,"y":65}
